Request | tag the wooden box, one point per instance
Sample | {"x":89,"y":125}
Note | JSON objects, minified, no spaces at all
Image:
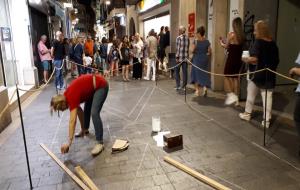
{"x":173,"y":141}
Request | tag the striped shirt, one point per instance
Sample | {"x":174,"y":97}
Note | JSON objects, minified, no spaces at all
{"x":182,"y":47}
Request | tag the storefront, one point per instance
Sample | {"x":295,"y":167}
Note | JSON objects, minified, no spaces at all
{"x":39,"y":27}
{"x":156,"y":23}
{"x":153,"y":14}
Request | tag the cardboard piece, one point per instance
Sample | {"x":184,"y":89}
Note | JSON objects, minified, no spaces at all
{"x":120,"y":146}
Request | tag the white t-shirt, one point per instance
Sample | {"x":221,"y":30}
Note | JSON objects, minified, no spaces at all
{"x":87,"y":60}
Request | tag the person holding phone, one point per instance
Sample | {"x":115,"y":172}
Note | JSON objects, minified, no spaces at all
{"x":234,"y":47}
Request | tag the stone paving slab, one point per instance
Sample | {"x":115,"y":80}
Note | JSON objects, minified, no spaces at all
{"x":216,"y":143}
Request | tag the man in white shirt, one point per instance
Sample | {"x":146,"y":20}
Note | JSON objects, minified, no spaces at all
{"x":152,"y":54}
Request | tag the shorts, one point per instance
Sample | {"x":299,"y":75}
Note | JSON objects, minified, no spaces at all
{"x":124,"y":62}
{"x":46,"y":65}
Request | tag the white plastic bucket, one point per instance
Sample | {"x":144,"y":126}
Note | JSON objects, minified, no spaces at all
{"x":156,"y":124}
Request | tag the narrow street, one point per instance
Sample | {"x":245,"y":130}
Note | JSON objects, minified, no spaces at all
{"x":216,"y":143}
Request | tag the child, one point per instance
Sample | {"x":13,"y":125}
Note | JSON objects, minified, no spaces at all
{"x":87,"y":62}
{"x":97,"y":62}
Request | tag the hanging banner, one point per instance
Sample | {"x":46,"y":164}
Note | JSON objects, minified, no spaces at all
{"x":192,"y":21}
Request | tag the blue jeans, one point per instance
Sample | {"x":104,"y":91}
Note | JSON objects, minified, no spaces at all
{"x":59,"y":80}
{"x":184,"y":74}
{"x":93,"y":107}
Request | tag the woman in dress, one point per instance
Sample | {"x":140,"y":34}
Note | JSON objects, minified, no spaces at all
{"x":234,"y":47}
{"x":137,"y":55}
{"x":125,"y":56}
{"x":201,"y":49}
{"x":263,"y":54}
{"x":114,"y":59}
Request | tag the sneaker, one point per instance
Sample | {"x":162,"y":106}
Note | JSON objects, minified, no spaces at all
{"x":153,"y":79}
{"x":231,"y":98}
{"x":98,"y":148}
{"x":204,"y":92}
{"x":267,"y":124}
{"x":176,"y":88}
{"x":245,"y":116}
{"x":146,"y":78}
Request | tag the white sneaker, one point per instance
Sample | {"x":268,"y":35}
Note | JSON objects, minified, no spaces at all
{"x":153,"y":79}
{"x":245,"y":116}
{"x":204,"y":92}
{"x":146,"y":78}
{"x":97,"y":149}
{"x":231,"y":98}
{"x":267,"y":124}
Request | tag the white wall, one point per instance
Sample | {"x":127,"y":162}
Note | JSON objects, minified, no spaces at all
{"x":186,"y":7}
{"x":20,"y":23}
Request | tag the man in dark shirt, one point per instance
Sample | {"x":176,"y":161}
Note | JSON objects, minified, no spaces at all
{"x":58,"y":53}
{"x":78,"y":55}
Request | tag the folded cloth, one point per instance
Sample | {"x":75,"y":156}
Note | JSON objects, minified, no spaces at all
{"x":120,"y":145}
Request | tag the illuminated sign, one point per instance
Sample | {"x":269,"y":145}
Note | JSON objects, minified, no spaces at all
{"x":148,"y":4}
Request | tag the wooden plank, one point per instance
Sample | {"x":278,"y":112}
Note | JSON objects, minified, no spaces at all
{"x":85,"y":178}
{"x":196,"y":174}
{"x":65,"y":168}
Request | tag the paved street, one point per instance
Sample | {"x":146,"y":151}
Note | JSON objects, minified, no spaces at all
{"x":216,"y":143}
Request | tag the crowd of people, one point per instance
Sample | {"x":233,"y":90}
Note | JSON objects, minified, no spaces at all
{"x":108,"y":57}
{"x":132,"y":53}
{"x":263,"y":54}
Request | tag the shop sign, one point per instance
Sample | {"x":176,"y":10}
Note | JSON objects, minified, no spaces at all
{"x":5,"y":34}
{"x":192,"y":21}
{"x":148,"y":4}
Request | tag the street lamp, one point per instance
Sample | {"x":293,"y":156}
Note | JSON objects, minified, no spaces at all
{"x":107,"y":2}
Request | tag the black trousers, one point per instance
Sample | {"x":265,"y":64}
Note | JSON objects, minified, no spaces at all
{"x":137,"y":69}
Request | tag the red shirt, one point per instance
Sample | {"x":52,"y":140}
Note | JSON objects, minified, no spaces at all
{"x":82,"y":89}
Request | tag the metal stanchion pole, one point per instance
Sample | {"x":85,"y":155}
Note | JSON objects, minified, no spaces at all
{"x":186,"y":76}
{"x":24,"y":137}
